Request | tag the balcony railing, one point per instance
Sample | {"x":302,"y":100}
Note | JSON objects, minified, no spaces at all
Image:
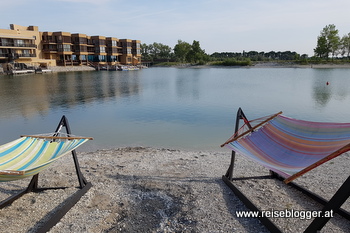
{"x":17,"y":55}
{"x":50,"y":50}
{"x":25,"y":55}
{"x":49,"y":41}
{"x":18,"y":45}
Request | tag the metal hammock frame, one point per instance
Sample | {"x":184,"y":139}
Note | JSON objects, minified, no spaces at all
{"x":341,"y":195}
{"x":47,"y":223}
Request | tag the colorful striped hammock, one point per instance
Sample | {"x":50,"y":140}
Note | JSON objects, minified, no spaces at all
{"x":29,"y":155}
{"x":292,"y":147}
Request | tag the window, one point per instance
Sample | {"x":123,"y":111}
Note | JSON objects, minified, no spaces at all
{"x":111,"y":58}
{"x":100,"y":49}
{"x":5,"y":41}
{"x":82,"y":40}
{"x":64,"y":48}
{"x":52,"y":47}
{"x":83,"y":48}
{"x":127,"y":50}
{"x":101,"y":58}
{"x":67,"y":39}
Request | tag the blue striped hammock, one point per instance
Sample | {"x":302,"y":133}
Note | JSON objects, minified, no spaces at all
{"x":29,"y":155}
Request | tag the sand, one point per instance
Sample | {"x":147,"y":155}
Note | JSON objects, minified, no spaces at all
{"x":163,"y":190}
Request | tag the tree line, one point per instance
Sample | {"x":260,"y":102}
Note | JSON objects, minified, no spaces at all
{"x":328,"y":44}
{"x":183,"y":52}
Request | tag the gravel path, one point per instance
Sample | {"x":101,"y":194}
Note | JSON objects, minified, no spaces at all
{"x":163,"y":190}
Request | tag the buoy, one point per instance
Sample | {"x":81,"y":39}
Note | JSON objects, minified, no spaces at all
{"x":327,"y":83}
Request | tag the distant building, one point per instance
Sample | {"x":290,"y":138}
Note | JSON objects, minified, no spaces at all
{"x":27,"y":45}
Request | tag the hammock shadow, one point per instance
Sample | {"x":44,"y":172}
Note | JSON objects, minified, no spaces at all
{"x":311,"y":204}
{"x":234,"y":205}
{"x":12,"y":189}
{"x":293,"y":197}
{"x":59,"y":211}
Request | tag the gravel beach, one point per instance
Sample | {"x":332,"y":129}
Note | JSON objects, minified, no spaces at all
{"x":140,"y":189}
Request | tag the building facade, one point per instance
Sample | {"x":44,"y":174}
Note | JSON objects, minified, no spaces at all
{"x":28,"y":45}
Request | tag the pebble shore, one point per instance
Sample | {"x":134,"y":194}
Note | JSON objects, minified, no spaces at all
{"x":138,"y":189}
{"x":71,"y":68}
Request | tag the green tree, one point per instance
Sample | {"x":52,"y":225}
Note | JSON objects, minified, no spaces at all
{"x":161,"y":51}
{"x":196,"y":54}
{"x":181,"y":50}
{"x":155,"y":51}
{"x":345,"y":45}
{"x":328,"y":42}
{"x":322,"y":49}
{"x":145,"y":52}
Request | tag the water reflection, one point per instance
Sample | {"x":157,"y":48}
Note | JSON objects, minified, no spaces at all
{"x":188,"y":86}
{"x":31,"y":94}
{"x":330,"y":84}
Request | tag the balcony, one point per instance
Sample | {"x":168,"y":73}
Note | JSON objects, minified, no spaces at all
{"x":25,"y":55}
{"x":49,"y":41}
{"x":50,"y":50}
{"x":17,"y":55}
{"x":9,"y":44}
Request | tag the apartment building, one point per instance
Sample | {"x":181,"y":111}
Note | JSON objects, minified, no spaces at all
{"x":23,"y":45}
{"x":30,"y":46}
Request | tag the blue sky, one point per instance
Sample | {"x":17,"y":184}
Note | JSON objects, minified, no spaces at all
{"x":219,"y":25}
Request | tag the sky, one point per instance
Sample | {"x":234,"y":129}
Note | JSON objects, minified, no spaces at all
{"x":219,"y":25}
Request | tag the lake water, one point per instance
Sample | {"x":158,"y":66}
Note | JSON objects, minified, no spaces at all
{"x":188,"y":108}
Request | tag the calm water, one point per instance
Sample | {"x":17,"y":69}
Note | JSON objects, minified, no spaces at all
{"x":167,"y":107}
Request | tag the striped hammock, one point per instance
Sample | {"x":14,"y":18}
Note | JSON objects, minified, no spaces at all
{"x":29,"y":155}
{"x":292,"y":147}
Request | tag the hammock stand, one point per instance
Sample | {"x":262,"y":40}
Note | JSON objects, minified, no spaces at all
{"x":341,"y":195}
{"x":47,"y":223}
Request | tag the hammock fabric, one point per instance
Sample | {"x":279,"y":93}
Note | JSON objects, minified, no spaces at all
{"x":292,"y":147}
{"x":29,"y":155}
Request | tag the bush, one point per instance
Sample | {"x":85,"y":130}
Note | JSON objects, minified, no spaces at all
{"x":232,"y":62}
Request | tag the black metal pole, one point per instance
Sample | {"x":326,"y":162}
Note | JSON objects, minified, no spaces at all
{"x":64,"y":123}
{"x":240,"y":115}
{"x":331,"y":207}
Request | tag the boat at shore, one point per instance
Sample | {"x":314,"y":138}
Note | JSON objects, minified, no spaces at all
{"x":29,"y":71}
{"x":118,"y":68}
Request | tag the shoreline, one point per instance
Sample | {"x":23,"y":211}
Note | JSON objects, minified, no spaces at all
{"x":58,"y":69}
{"x":143,"y":189}
{"x":291,"y":65}
{"x":269,"y":65}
